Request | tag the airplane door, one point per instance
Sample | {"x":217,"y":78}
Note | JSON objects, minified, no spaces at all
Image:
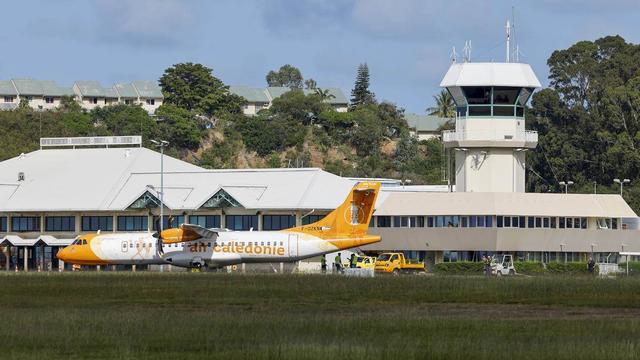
{"x":293,"y":245}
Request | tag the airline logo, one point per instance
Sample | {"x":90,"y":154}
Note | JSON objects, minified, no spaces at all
{"x":234,"y":247}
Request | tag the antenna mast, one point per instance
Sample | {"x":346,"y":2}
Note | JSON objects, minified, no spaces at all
{"x":467,"y":51}
{"x":508,"y":29}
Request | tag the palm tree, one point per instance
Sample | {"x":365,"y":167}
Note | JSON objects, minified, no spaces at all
{"x":324,"y":94}
{"x":445,"y":106}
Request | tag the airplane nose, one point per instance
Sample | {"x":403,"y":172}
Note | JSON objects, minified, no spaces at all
{"x":62,"y":254}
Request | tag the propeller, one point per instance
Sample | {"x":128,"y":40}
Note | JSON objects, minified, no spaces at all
{"x":158,"y":234}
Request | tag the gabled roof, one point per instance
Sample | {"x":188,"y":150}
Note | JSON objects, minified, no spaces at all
{"x":16,"y":240}
{"x":126,"y":90}
{"x":7,"y":88}
{"x":253,"y":95}
{"x":28,"y":86}
{"x":425,"y":122}
{"x":50,"y":88}
{"x":93,"y":88}
{"x":490,"y":74}
{"x":147,"y":89}
{"x":77,"y":179}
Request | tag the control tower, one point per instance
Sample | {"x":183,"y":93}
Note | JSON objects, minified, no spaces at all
{"x":490,"y":142}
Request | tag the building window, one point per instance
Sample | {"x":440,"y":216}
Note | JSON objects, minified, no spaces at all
{"x":128,"y":101}
{"x":3,"y":224}
{"x":310,"y":219}
{"x":384,"y":221}
{"x":206,"y":221}
{"x":60,"y":223}
{"x":169,"y":221}
{"x":94,"y":101}
{"x":400,"y":221}
{"x":9,"y":99}
{"x":241,"y":222}
{"x":95,"y":223}
{"x":133,"y":223}
{"x":151,"y":101}
{"x":561,"y":222}
{"x":278,"y":222}
{"x":29,"y":98}
{"x":25,"y":223}
{"x":48,"y":100}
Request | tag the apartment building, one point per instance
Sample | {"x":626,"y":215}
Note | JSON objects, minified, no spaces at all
{"x":261,"y":98}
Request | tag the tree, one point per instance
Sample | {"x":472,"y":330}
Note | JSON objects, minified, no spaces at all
{"x":360,"y":95}
{"x":445,"y":106}
{"x":193,"y":87}
{"x":310,"y":84}
{"x":324,"y":94}
{"x":287,"y":76}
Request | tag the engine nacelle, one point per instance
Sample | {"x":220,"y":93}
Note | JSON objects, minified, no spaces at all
{"x":178,"y":235}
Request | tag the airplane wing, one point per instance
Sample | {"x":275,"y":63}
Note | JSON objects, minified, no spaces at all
{"x":202,"y":231}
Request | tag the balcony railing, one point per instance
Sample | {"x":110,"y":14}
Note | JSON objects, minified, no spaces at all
{"x":490,"y":135}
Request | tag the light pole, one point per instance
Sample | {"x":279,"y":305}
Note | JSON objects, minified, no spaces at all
{"x":566,"y":185}
{"x":621,"y":182}
{"x":161,"y":144}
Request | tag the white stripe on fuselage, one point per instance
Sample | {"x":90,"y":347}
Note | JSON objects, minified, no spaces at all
{"x":230,"y":247}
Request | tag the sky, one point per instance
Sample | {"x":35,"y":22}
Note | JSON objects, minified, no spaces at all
{"x":407,"y":44}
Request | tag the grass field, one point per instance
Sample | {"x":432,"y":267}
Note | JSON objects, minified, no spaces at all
{"x":203,"y":316}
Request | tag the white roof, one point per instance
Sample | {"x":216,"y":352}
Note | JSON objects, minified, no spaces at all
{"x":112,"y":179}
{"x":477,"y":203}
{"x":54,"y":241}
{"x":490,"y":74}
{"x":74,"y":179}
{"x":16,"y":240}
{"x":308,"y":188}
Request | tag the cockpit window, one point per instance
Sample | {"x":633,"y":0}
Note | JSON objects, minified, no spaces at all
{"x":84,"y":242}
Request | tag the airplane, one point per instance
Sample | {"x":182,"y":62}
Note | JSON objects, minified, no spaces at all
{"x":193,"y":246}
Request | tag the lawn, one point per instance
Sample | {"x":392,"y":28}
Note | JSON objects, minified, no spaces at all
{"x":203,"y":316}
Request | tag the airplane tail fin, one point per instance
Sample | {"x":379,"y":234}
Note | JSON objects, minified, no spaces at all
{"x":349,"y":220}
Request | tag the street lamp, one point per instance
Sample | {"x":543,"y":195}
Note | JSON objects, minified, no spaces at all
{"x":566,"y":185}
{"x":621,"y":182}
{"x":161,"y":144}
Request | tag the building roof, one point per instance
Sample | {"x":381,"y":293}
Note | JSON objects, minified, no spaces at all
{"x":425,"y":122}
{"x":503,"y":203}
{"x":490,"y":74}
{"x":126,"y":90}
{"x":50,"y":88}
{"x":253,"y":95}
{"x":83,"y":179}
{"x":93,"y":88}
{"x":6,"y":88}
{"x":113,"y":179}
{"x":28,"y":86}
{"x":147,"y":89}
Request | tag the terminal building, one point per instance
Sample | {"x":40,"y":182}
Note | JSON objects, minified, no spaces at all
{"x":73,"y":186}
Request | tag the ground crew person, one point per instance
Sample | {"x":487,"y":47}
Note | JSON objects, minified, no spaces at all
{"x":323,"y":264}
{"x":337,"y":262}
{"x":352,"y":261}
{"x":487,"y":265}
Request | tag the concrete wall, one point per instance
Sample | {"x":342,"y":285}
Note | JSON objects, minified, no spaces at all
{"x":503,"y":239}
{"x":490,"y":170}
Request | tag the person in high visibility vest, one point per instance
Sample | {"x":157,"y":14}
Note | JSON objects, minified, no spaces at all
{"x":337,"y":262}
{"x":353,"y":261}
{"x":323,"y":264}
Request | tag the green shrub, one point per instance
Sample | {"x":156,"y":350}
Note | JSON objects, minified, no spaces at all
{"x":529,"y":267}
{"x":567,"y":268}
{"x":634,"y":267}
{"x":460,"y":267}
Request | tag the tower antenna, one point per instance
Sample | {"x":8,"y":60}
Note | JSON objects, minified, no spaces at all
{"x":508,"y":30}
{"x":454,"y":55}
{"x":467,"y":51}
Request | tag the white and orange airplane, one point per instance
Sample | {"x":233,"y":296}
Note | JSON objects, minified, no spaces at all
{"x":193,"y":246}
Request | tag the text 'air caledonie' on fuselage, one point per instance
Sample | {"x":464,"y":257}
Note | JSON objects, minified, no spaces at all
{"x":194,"y":246}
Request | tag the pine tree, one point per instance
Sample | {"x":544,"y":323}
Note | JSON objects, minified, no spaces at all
{"x":360,"y":95}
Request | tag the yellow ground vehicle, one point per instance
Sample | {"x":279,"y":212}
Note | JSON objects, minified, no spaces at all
{"x":366,"y":262}
{"x":396,"y":263}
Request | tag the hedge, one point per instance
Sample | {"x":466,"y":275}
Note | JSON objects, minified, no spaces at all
{"x":634,"y":267}
{"x":460,"y":267}
{"x":523,"y":267}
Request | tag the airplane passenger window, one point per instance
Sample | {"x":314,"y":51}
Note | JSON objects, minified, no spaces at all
{"x":84,"y":242}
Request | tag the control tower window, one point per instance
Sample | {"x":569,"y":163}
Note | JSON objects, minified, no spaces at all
{"x":505,"y":95}
{"x":478,"y":95}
